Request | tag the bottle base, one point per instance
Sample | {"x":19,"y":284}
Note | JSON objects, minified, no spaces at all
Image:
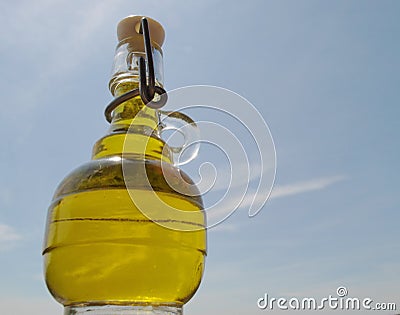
{"x":124,"y":310}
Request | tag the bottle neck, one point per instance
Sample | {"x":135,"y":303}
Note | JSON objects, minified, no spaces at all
{"x":132,"y":113}
{"x":133,"y":131}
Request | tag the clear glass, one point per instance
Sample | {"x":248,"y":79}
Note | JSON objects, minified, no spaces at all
{"x":123,"y":310}
{"x":102,"y":254}
{"x":126,"y":65}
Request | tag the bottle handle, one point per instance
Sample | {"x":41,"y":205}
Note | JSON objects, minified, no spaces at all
{"x":178,"y":122}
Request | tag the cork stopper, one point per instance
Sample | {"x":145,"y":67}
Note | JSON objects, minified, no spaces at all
{"x":128,"y":31}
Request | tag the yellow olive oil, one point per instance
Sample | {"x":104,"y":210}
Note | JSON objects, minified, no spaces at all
{"x":102,"y":249}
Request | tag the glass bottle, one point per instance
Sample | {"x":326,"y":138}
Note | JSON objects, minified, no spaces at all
{"x":102,"y":253}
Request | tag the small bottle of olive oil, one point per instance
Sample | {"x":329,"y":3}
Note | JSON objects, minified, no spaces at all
{"x":102,"y":253}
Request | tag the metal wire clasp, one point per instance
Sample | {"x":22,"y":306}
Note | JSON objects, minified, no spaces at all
{"x":147,"y":85}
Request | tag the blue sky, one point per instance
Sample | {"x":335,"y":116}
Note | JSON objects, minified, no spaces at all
{"x":325,"y":77}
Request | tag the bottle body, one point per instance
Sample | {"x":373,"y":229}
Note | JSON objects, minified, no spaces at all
{"x":101,"y":249}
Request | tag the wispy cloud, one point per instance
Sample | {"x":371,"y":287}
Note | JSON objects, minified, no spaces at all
{"x":225,"y":207}
{"x":8,"y":236}
{"x":56,"y":42}
{"x":305,"y":186}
